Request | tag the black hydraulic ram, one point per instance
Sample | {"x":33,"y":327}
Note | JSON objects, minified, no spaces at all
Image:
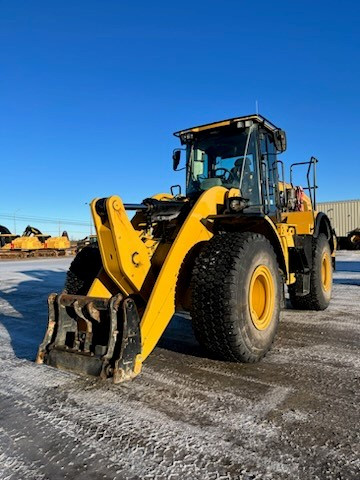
{"x":158,"y":210}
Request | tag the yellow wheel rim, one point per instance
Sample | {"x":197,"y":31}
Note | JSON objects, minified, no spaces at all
{"x":326,"y":272}
{"x":261,"y":297}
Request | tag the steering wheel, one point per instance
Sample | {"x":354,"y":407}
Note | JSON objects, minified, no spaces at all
{"x":225,"y":175}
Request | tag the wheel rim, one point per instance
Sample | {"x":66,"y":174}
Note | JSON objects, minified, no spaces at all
{"x":261,"y":297}
{"x":326,"y":272}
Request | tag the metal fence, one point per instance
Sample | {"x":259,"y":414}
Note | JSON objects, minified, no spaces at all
{"x":343,"y":214}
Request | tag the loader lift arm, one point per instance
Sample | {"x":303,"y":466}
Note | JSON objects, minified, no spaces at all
{"x":127,"y":263}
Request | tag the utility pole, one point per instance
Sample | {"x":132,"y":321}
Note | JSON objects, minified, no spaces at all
{"x":90,"y":223}
{"x":15,"y":219}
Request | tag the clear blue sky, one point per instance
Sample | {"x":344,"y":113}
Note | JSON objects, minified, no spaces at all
{"x":92,"y":90}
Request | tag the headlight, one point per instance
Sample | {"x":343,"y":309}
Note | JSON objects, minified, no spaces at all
{"x":237,"y":204}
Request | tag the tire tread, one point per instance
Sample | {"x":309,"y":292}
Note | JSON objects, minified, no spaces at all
{"x":83,"y":270}
{"x":213,"y":289}
{"x":314,"y":300}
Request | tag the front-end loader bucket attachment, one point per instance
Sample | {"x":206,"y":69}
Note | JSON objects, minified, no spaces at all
{"x":93,"y":336}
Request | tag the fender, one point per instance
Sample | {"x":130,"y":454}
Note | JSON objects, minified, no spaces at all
{"x":323,"y":225}
{"x":259,"y":224}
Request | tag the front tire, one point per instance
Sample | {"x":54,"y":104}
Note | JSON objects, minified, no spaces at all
{"x":83,"y":271}
{"x":236,"y":291}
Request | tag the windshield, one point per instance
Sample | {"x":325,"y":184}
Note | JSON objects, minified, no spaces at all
{"x":220,"y":160}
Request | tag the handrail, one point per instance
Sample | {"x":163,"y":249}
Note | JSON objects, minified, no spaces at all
{"x":312,"y":188}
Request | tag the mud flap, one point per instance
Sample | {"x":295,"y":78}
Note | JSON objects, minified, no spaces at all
{"x":92,"y":336}
{"x":302,"y":284}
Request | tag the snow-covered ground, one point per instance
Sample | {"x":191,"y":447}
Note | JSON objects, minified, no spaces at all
{"x":295,"y":415}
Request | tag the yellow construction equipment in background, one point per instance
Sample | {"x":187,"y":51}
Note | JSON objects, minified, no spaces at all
{"x":34,"y":242}
{"x":222,"y":251}
{"x":31,"y":239}
{"x":6,"y":236}
{"x":57,"y":243}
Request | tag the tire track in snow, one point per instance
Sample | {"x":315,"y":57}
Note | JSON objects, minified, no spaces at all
{"x":175,"y":447}
{"x":292,"y":416}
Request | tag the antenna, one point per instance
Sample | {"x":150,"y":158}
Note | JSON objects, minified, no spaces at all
{"x":257,"y":107}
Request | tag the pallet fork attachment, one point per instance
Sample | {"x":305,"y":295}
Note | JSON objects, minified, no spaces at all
{"x":92,"y":335}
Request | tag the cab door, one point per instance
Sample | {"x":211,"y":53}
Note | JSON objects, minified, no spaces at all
{"x":269,"y":173}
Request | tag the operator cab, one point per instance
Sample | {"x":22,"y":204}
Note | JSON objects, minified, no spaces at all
{"x":237,"y":153}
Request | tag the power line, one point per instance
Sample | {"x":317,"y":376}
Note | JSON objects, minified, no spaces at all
{"x":27,"y":218}
{"x":72,"y":231}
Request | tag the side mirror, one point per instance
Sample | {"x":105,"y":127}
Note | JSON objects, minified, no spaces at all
{"x":176,"y":158}
{"x":280,"y":140}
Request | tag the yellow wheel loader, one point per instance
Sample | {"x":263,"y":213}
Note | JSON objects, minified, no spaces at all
{"x":223,"y":251}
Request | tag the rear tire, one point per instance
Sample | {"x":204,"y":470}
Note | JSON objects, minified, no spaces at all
{"x":83,"y":270}
{"x":320,"y":279}
{"x":236,"y":293}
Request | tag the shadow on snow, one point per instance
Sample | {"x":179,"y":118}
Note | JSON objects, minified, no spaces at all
{"x":26,"y":325}
{"x":348,"y":267}
{"x":27,"y":319}
{"x":29,"y":300}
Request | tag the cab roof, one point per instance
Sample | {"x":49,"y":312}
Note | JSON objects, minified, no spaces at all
{"x":223,"y":123}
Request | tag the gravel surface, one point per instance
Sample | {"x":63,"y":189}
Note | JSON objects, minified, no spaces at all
{"x":295,"y":415}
